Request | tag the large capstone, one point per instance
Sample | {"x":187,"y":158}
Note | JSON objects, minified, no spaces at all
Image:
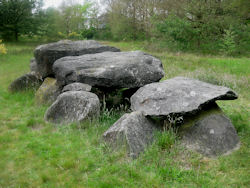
{"x":134,"y":130}
{"x":73,"y":106}
{"x":178,"y":96}
{"x":210,"y":132}
{"x":110,"y":69}
{"x":47,"y":54}
{"x":25,"y":82}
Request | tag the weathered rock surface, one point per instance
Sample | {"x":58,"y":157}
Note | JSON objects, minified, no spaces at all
{"x":210,"y":133}
{"x":178,"y":95}
{"x":47,"y":54}
{"x":134,"y":130}
{"x":73,"y":106}
{"x":33,"y":66}
{"x":25,"y":82}
{"x":109,"y":69}
{"x":77,"y":87}
{"x":48,"y":92}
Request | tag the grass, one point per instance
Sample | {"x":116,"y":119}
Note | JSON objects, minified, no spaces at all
{"x":38,"y":154}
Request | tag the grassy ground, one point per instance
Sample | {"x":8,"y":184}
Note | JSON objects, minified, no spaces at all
{"x":37,"y":154}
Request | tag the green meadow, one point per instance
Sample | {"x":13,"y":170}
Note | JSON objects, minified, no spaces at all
{"x":34,"y":153}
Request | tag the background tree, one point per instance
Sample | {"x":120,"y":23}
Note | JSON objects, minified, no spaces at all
{"x":19,"y":17}
{"x":200,"y":25}
{"x":74,"y":16}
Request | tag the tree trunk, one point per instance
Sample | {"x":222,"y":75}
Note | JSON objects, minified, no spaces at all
{"x":16,"y":35}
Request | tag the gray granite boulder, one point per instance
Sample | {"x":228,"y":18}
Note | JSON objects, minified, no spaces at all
{"x":210,"y":133}
{"x":110,"y":69}
{"x":47,"y":54}
{"x":47,"y":92}
{"x":178,"y":95}
{"x":77,"y":87}
{"x":134,"y":130}
{"x":25,"y":82}
{"x":73,"y":106}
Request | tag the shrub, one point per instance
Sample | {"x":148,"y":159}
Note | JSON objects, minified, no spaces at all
{"x":104,"y":34}
{"x":3,"y":50}
{"x":176,"y":31}
{"x":89,"y":33}
{"x":72,"y":35}
{"x":228,"y":42}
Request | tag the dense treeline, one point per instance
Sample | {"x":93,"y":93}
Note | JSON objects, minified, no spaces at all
{"x":188,"y":25}
{"x":205,"y":25}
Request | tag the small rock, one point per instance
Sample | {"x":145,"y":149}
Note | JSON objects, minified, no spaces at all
{"x":47,"y":54}
{"x":77,"y":87}
{"x":135,"y":130}
{"x":179,"y":96}
{"x":25,"y":82}
{"x":48,"y":92}
{"x":73,"y":106}
{"x":210,"y":133}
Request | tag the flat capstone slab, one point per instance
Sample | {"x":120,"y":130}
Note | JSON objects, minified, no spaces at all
{"x":178,"y":96}
{"x":109,"y":69}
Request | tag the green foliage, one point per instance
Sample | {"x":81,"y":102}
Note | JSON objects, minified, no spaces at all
{"x":104,"y":33}
{"x":209,"y":27}
{"x":184,"y":25}
{"x":50,"y":26}
{"x":167,"y":139}
{"x":19,"y":17}
{"x":89,"y":33}
{"x":177,"y":32}
{"x":206,"y":27}
{"x":70,"y":36}
{"x":228,"y":42}
{"x":70,"y":21}
{"x":73,"y":17}
{"x":3,"y":50}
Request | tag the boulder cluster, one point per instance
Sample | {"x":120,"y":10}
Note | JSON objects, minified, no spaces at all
{"x":73,"y":77}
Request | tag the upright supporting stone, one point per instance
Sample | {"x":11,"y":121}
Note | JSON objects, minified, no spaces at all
{"x":48,"y":92}
{"x":210,"y":132}
{"x":134,"y":130}
{"x":73,"y":106}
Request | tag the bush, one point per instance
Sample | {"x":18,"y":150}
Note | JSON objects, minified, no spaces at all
{"x":104,"y":34}
{"x":177,"y":32}
{"x":89,"y":33}
{"x":72,"y":35}
{"x":3,"y":50}
{"x":242,"y":38}
{"x":226,"y":34}
{"x":228,"y":42}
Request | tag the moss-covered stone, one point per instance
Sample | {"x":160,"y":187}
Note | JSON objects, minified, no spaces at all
{"x":25,"y":82}
{"x":48,"y":92}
